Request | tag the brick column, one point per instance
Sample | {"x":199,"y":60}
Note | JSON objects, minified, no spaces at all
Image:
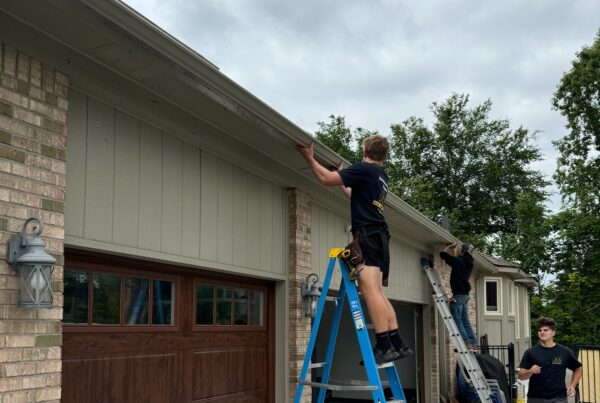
{"x":299,"y":266}
{"x":33,"y":109}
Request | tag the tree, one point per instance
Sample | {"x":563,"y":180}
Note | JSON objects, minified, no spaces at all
{"x":340,"y":138}
{"x":577,"y":97}
{"x":467,"y":165}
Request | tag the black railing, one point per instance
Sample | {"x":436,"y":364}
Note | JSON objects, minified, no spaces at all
{"x":588,"y":390}
{"x":504,"y":354}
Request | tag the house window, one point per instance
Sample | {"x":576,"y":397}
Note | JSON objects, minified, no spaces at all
{"x":493,"y":296}
{"x":519,"y":316}
{"x":117,"y":299}
{"x":511,"y":298}
{"x":218,"y":305}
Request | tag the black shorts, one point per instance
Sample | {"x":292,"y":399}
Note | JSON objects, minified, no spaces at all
{"x":375,"y":246}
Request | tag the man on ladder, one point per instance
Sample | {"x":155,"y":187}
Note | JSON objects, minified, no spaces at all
{"x":366,"y":183}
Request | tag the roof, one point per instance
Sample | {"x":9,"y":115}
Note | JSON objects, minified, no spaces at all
{"x":159,"y":74}
{"x":513,"y":270}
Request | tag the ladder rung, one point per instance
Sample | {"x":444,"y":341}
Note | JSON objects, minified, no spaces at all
{"x":385,"y":365}
{"x":395,"y":401}
{"x":317,"y":364}
{"x":330,"y":386}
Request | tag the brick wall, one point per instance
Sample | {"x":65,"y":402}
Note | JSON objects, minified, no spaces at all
{"x":451,"y":357}
{"x":299,"y":262}
{"x":33,"y":109}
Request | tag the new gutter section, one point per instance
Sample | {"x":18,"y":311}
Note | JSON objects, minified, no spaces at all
{"x":150,"y":34}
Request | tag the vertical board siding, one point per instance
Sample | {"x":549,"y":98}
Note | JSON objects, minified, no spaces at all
{"x":407,"y":281}
{"x":190,"y":226}
{"x":131,"y":184}
{"x":150,"y":206}
{"x":100,"y":170}
{"x":76,"y":152}
{"x":127,"y":180}
{"x":171,"y":195}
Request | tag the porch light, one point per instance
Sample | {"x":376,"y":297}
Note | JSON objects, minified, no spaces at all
{"x":310,"y":295}
{"x":26,"y":255}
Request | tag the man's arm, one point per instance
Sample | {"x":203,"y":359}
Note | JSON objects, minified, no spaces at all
{"x":346,"y":190}
{"x":323,"y":175}
{"x":447,"y":257}
{"x":574,"y":381}
{"x":528,"y":373}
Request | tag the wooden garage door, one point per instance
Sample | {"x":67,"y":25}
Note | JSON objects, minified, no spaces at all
{"x":138,"y":332}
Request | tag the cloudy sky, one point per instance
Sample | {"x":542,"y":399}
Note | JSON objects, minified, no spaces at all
{"x":378,"y":62}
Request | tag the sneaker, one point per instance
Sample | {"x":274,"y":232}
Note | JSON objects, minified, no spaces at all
{"x":381,"y":357}
{"x":404,"y":352}
{"x":469,"y":347}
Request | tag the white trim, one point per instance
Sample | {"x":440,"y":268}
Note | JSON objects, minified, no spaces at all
{"x":498,"y":281}
{"x":517,"y":317}
{"x":512,"y":297}
{"x":527,"y":315}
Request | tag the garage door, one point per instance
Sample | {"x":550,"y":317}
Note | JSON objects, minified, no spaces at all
{"x":139,"y":332}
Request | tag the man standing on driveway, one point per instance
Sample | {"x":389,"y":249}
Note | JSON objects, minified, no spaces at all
{"x":462,"y":267}
{"x":366,"y":183}
{"x":545,"y":366}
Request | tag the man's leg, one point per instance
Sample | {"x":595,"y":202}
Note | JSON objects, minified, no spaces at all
{"x":456,"y":309}
{"x":377,"y":306}
{"x":470,"y":335}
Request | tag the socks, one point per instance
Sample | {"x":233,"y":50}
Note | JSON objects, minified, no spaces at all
{"x":396,"y":340}
{"x":383,"y":341}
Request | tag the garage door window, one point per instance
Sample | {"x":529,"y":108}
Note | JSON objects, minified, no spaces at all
{"x":99,"y":298}
{"x":229,"y":306}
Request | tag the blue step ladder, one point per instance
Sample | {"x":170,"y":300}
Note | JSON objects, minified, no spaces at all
{"x":374,"y":383}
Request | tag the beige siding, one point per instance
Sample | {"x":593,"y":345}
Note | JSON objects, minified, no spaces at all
{"x":407,"y":281}
{"x":137,"y":187}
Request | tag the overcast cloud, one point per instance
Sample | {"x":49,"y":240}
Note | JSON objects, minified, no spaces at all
{"x":379,"y":62}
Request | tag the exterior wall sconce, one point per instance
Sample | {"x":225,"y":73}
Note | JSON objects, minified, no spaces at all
{"x":310,"y":295}
{"x":26,"y":255}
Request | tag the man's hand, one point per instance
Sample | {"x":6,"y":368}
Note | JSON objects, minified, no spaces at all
{"x":536,"y":369}
{"x":571,"y":391}
{"x":307,"y":152}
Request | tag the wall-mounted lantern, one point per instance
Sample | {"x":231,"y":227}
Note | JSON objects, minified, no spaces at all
{"x":310,"y":295}
{"x":27,"y":257}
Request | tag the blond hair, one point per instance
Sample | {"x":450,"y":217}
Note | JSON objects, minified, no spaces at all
{"x":376,"y":147}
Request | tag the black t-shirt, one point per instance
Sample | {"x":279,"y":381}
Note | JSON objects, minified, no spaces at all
{"x":462,"y":266}
{"x":554,"y":361}
{"x":369,"y":184}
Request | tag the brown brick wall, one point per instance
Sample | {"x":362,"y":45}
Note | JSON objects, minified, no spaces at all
{"x":299,"y":262}
{"x":33,"y":109}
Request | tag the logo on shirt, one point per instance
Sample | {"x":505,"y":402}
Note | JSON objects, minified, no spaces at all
{"x":381,"y":201}
{"x":557,"y":360}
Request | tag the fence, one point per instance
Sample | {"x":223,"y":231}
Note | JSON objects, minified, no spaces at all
{"x":504,"y":354}
{"x":589,"y":386}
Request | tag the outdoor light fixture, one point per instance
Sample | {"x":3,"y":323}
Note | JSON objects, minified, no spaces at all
{"x":310,"y":295}
{"x":27,"y":257}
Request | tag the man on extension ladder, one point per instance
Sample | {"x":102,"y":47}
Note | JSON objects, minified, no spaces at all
{"x":366,"y":183}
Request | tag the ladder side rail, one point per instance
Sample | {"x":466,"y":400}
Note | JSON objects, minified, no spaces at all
{"x":395,"y":384}
{"x":363,"y":335}
{"x":315,"y":329}
{"x":467,"y":359}
{"x":335,"y":324}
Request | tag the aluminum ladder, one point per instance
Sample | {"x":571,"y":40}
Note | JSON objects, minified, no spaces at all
{"x":374,"y":384}
{"x":468,"y":360}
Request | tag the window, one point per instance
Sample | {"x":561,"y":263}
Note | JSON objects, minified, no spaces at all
{"x":105,"y":298}
{"x":218,"y":305}
{"x":511,"y":298}
{"x":493,"y":296}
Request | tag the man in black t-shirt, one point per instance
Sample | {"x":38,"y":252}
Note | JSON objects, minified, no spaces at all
{"x":366,"y":183}
{"x":545,"y":366}
{"x":462,"y":267}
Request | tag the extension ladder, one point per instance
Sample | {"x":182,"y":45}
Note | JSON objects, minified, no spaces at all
{"x":374,"y":383}
{"x":468,"y":360}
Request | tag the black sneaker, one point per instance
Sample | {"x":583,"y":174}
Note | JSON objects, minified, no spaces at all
{"x":404,"y":352}
{"x":381,"y":357}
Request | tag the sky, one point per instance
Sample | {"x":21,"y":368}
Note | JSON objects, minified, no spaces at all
{"x":378,"y":62}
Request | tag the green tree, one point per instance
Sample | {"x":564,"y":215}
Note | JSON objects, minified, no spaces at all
{"x":474,"y":168}
{"x":341,"y":139}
